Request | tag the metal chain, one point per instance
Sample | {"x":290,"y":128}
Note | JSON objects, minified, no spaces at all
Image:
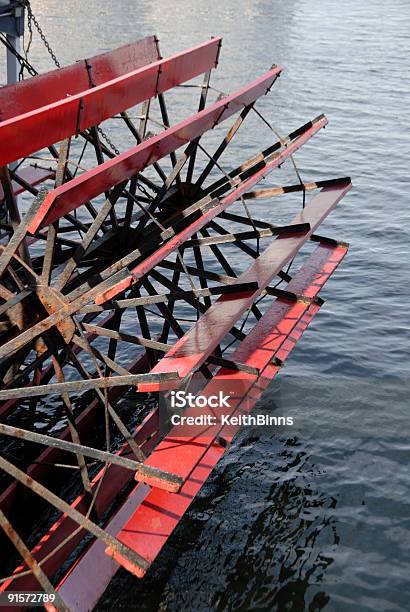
{"x":142,"y":189}
{"x":108,"y":140}
{"x":31,"y":18}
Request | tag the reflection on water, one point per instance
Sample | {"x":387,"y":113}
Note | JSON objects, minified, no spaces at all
{"x":300,"y":521}
{"x":311,"y":517}
{"x":253,"y":540}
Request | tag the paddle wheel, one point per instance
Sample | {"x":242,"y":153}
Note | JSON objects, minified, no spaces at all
{"x":141,"y":268}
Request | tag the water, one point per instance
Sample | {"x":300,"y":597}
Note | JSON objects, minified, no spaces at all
{"x":316,"y":517}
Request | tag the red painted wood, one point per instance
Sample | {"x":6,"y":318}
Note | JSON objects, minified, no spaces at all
{"x":83,"y":188}
{"x":155,"y":519}
{"x":44,"y":89}
{"x":158,"y":515}
{"x":190,"y":351}
{"x":49,"y":124}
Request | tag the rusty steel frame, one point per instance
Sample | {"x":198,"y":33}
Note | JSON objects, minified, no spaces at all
{"x":150,"y":253}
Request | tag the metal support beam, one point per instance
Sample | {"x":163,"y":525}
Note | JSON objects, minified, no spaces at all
{"x":84,"y":385}
{"x":172,"y":483}
{"x":12,"y":19}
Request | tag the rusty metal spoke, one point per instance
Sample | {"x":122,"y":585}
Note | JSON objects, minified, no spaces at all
{"x":221,"y":148}
{"x":88,"y":238}
{"x":20,"y":232}
{"x":93,"y":453}
{"x":139,"y":135}
{"x":52,"y":232}
{"x":201,"y":106}
{"x":30,"y":561}
{"x":65,"y":508}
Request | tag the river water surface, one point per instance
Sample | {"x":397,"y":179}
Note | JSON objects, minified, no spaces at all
{"x":316,"y":516}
